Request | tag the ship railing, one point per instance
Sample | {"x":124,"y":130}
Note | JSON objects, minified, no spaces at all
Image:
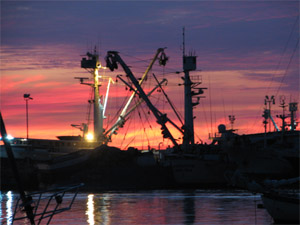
{"x":46,"y":204}
{"x":214,"y":136}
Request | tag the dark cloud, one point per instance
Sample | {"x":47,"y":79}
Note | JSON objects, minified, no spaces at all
{"x":38,"y":57}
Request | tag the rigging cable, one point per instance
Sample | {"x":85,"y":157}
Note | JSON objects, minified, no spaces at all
{"x":170,"y":70}
{"x":168,"y":100}
{"x":130,"y":120}
{"x":205,"y":117}
{"x":126,"y":147}
{"x":277,"y":67}
{"x":211,"y":119}
{"x":283,"y":53}
{"x":284,"y":75}
{"x":224,"y":110}
{"x":121,"y":106}
{"x":147,"y":119}
{"x":142,"y":122}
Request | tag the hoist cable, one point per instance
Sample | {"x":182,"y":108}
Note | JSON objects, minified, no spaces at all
{"x":283,"y":53}
{"x":287,"y":68}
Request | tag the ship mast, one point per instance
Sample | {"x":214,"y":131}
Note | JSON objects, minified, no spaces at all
{"x":92,"y":62}
{"x":189,"y":64}
{"x":98,"y":107}
{"x":293,"y":107}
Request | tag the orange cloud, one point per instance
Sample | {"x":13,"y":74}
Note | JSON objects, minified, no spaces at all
{"x":59,"y":100}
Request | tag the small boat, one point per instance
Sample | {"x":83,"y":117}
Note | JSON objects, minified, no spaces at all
{"x":46,"y":149}
{"x":282,"y":207}
{"x":281,"y":198}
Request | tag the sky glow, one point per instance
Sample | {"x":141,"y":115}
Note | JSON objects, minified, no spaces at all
{"x":245,"y":50}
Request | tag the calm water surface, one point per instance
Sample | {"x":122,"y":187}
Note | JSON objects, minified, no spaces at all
{"x":210,"y":207}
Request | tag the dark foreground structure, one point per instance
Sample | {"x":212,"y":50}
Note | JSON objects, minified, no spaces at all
{"x":105,"y":168}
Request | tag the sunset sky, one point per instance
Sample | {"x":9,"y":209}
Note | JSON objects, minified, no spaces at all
{"x":245,"y":50}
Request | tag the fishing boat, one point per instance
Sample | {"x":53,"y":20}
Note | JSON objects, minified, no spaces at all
{"x":266,"y":155}
{"x":191,"y":163}
{"x":33,"y":154}
{"x":45,"y":149}
{"x":269,"y":155}
{"x":40,"y":150}
{"x":78,"y":159}
{"x":195,"y":164}
{"x":30,"y":153}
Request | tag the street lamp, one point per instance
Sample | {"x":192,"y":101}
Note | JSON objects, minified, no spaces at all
{"x":27,"y":98}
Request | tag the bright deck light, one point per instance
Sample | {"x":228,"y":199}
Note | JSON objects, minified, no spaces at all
{"x":8,"y":137}
{"x":89,"y":137}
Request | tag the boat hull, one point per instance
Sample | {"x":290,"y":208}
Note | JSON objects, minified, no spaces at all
{"x":281,"y":208}
{"x":277,"y":158}
{"x":199,"y":171}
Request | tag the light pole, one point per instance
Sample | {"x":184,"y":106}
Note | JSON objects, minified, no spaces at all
{"x":269,"y":101}
{"x":27,"y":98}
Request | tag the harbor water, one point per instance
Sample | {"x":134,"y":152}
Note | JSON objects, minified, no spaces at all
{"x":199,"y":206}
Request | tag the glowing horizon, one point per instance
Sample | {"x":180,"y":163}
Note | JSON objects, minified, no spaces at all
{"x":245,"y":51}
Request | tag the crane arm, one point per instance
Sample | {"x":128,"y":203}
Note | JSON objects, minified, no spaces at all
{"x":112,"y":59}
{"x":121,"y":119}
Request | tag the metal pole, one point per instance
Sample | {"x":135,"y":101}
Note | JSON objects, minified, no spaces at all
{"x":270,"y":116}
{"x":27,"y":118}
{"x":188,"y":111}
{"x":26,"y":200}
{"x":27,"y":98}
{"x":98,"y":113}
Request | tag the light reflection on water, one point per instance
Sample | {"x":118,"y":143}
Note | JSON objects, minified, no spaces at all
{"x":9,"y":207}
{"x":90,"y":210}
{"x":157,"y":207}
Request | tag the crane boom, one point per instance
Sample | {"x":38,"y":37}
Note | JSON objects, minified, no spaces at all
{"x":112,"y":59}
{"x":121,"y":119}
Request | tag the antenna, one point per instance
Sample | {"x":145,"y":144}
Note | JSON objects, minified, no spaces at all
{"x":100,"y":47}
{"x":231,"y":119}
{"x":268,"y":102}
{"x":183,"y":41}
{"x":283,"y":116}
{"x":293,"y":108}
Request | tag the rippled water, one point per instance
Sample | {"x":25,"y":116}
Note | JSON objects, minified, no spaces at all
{"x":155,"y":207}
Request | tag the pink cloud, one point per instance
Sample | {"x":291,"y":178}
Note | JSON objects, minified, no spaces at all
{"x":59,"y":100}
